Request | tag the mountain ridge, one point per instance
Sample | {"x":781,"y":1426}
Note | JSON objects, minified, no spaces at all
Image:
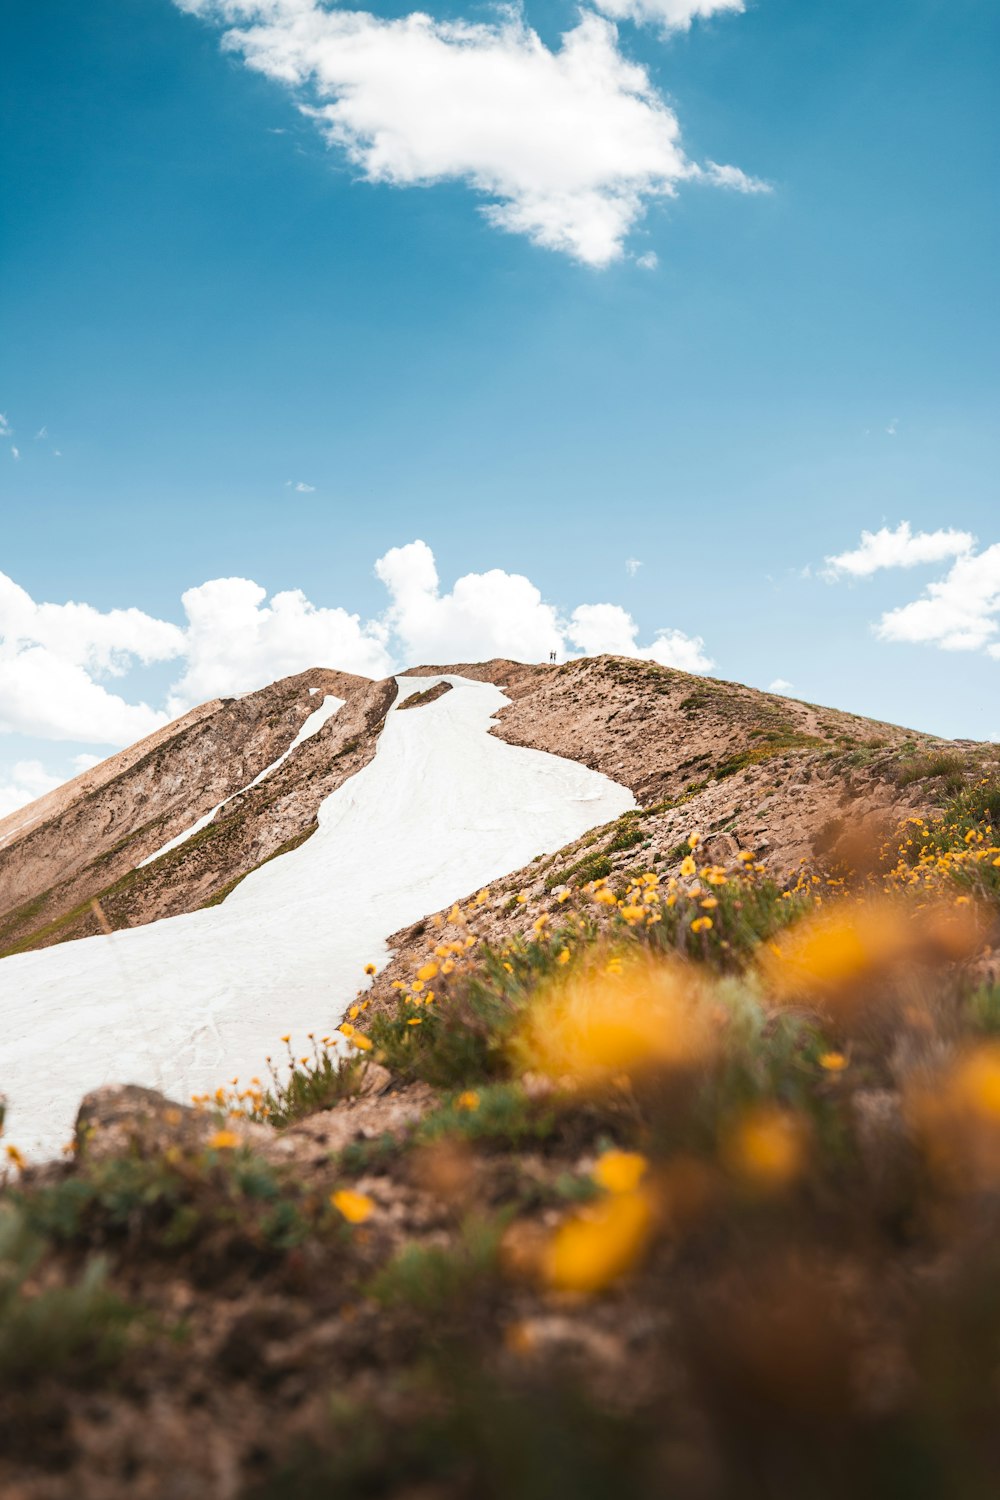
{"x":718,"y":749}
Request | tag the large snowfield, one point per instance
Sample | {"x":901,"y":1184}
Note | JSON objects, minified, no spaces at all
{"x":188,"y":1003}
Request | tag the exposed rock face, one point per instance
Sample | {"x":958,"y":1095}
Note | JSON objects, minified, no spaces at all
{"x":85,"y":842}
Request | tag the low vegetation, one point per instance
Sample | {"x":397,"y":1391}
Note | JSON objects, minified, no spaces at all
{"x":691,"y":1188}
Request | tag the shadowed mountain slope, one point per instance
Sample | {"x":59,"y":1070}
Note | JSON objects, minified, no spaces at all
{"x":86,"y":841}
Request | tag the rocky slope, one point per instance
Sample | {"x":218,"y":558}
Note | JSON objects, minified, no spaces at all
{"x":85,"y":843}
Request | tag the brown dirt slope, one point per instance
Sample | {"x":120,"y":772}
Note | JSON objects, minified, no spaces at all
{"x":87,"y":847}
{"x":789,"y":781}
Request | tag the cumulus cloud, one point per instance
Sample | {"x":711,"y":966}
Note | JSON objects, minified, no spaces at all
{"x":56,"y":659}
{"x":484,"y":614}
{"x":566,"y":145}
{"x":958,"y":612}
{"x":598,"y":628}
{"x":897,"y":548}
{"x":779,"y":685}
{"x":52,"y":657}
{"x":236,"y":641}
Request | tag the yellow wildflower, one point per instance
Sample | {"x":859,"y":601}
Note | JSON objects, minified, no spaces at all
{"x":469,"y":1100}
{"x":833,"y":1062}
{"x":355,"y":1207}
{"x":620,"y":1171}
{"x":599,"y":1245}
{"x":224,"y":1140}
{"x":768,"y":1148}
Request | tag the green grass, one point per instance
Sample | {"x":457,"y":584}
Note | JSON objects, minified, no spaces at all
{"x":75,"y":1331}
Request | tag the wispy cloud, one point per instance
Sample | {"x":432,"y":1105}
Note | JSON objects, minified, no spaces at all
{"x":566,"y":145}
{"x":632,"y":566}
{"x":668,"y":15}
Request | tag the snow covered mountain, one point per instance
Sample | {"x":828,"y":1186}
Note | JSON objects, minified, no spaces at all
{"x":292,"y":835}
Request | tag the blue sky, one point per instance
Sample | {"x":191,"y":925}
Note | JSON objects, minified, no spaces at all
{"x":205,"y":304}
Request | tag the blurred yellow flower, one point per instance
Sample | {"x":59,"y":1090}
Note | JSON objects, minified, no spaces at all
{"x":369,"y":968}
{"x":688,"y":866}
{"x":768,"y":1148}
{"x":15,"y":1157}
{"x":833,"y":1062}
{"x":620,"y":1171}
{"x":355,"y":1207}
{"x":622,"y":1014}
{"x":224,"y":1140}
{"x":701,"y":924}
{"x":563,"y":956}
{"x":469,"y":1100}
{"x":427,"y":971}
{"x":600,"y":1244}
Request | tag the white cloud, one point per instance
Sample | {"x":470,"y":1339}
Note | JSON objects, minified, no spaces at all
{"x":567,"y":145}
{"x":26,"y":780}
{"x":893,"y":427}
{"x":899,"y":548}
{"x":236,"y":642}
{"x":670,"y":15}
{"x":484,"y":615}
{"x":598,"y":628}
{"x":732,"y":177}
{"x":53,"y":657}
{"x":632,"y":566}
{"x":648,"y":262}
{"x":958,"y":612}
{"x":16,"y":452}
{"x":305,"y":489}
{"x":779,"y":685}
{"x":6,"y":430}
